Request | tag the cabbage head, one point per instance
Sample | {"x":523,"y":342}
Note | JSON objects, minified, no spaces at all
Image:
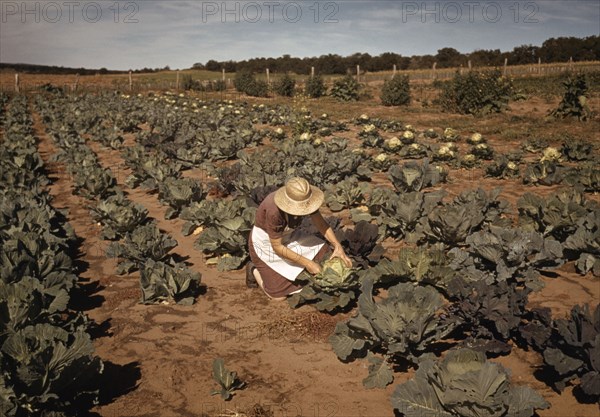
{"x":334,"y":274}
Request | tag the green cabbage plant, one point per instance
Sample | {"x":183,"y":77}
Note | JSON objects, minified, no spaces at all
{"x":118,"y":216}
{"x":163,"y":283}
{"x":333,"y":289}
{"x":178,"y":193}
{"x":573,"y":351}
{"x":413,"y":176}
{"x":464,"y":384}
{"x":404,"y":326}
{"x":145,"y":242}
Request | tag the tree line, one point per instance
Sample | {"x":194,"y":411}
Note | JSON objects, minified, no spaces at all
{"x":552,"y":50}
{"x":60,"y":70}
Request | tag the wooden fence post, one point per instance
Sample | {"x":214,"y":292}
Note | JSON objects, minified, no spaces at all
{"x":505,"y":65}
{"x":469,"y":63}
{"x":268,"y":77}
{"x":394,"y":71}
{"x":17,"y":86}
{"x":539,"y":66}
{"x":76,"y":82}
{"x":177,"y":81}
{"x":434,"y":74}
{"x":223,"y":75}
{"x":358,"y":73}
{"x":571,"y":64}
{"x":130,"y":81}
{"x":312,"y":72}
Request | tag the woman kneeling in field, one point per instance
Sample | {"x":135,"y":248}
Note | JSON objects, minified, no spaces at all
{"x":277,"y":258}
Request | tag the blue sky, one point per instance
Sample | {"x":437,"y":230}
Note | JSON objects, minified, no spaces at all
{"x":121,"y":34}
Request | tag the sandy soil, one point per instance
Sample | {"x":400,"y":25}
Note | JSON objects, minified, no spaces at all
{"x":159,"y":358}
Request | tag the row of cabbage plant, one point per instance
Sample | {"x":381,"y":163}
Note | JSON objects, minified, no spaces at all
{"x":47,"y":361}
{"x":135,"y":238}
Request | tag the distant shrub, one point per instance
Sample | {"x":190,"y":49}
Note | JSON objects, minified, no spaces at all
{"x":217,"y":85}
{"x":476,"y":93}
{"x":188,"y":83}
{"x":285,"y":86}
{"x":345,"y":89}
{"x":396,"y":92}
{"x":245,"y":82}
{"x":258,"y":89}
{"x":243,"y":79}
{"x":50,"y":88}
{"x":574,"y":101}
{"x":315,"y":87}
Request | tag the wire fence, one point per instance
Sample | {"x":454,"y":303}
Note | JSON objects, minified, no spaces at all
{"x":140,"y":83}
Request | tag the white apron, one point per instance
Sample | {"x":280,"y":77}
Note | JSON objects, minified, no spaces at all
{"x":305,"y":245}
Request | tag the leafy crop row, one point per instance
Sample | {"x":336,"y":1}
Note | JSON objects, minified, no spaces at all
{"x":138,"y":243}
{"x":47,"y":361}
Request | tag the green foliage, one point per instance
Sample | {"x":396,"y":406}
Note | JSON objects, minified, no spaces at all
{"x":464,"y":383}
{"x":285,"y":86}
{"x":452,"y":223}
{"x":559,"y":215}
{"x":573,"y":350}
{"x":243,"y":79}
{"x":585,"y":243}
{"x":188,"y":83}
{"x":361,"y":244}
{"x":345,"y":89}
{"x":398,"y":215}
{"x":333,"y":289}
{"x":149,"y":168}
{"x":543,"y":173}
{"x":315,"y":87}
{"x":413,"y":176}
{"x":118,"y":216}
{"x":95,"y":182}
{"x":218,"y":85}
{"x":179,"y":193}
{"x":404,"y":325}
{"x":145,"y":242}
{"x":162,"y":283}
{"x":245,"y":82}
{"x":345,"y":194}
{"x":49,"y":369}
{"x":513,"y":253}
{"x":47,"y":361}
{"x":574,"y":101}
{"x":396,"y":92}
{"x":258,"y":88}
{"x":477,"y":93}
{"x":502,"y":167}
{"x":227,"y":380}
{"x":577,"y":149}
{"x":225,"y":227}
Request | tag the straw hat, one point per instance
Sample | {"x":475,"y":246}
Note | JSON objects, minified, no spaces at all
{"x":298,"y":197}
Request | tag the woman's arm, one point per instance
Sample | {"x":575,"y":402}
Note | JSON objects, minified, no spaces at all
{"x":291,"y":256}
{"x":326,"y":230}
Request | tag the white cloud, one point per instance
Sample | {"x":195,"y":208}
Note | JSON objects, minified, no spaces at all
{"x":181,"y":33}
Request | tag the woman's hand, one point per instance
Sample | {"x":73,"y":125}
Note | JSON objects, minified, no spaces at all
{"x":338,"y":252}
{"x":313,"y":268}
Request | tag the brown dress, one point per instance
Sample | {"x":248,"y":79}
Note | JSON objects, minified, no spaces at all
{"x":274,"y":222}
